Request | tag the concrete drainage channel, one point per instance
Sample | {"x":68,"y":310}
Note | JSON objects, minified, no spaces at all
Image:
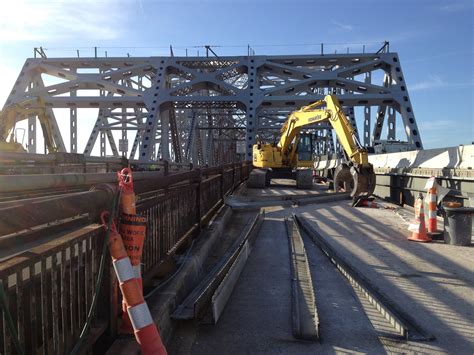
{"x":215,"y":289}
{"x":195,"y":293}
{"x":305,"y":315}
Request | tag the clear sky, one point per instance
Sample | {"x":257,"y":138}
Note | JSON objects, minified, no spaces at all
{"x":433,"y":38}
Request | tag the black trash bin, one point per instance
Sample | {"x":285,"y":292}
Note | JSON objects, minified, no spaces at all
{"x":458,"y":225}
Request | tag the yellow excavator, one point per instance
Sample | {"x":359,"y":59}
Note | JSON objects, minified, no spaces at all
{"x":10,"y":115}
{"x":291,"y":157}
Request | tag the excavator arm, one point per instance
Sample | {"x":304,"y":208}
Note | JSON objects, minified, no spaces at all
{"x":312,"y":114}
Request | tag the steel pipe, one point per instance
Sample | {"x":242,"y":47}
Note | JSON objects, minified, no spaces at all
{"x":30,"y":213}
{"x":18,"y":183}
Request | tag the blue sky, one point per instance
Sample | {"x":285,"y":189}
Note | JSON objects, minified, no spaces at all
{"x":434,"y":40}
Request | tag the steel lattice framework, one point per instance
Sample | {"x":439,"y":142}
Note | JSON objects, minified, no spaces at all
{"x":206,"y":109}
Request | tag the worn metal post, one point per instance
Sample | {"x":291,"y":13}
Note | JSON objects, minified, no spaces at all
{"x":233,"y":175}
{"x":109,"y":307}
{"x":166,"y":167}
{"x":197,"y":179}
{"x":222,"y":172}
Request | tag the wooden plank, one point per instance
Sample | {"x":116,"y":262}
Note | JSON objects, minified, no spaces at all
{"x":20,"y":307}
{"x":80,"y":285}
{"x":34,"y":313}
{"x":55,"y":304}
{"x":87,"y":278}
{"x":6,"y":335}
{"x":44,"y":307}
{"x":64,"y":308}
{"x":74,"y":294}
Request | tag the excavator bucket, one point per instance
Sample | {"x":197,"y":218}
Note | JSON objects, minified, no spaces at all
{"x":360,"y":180}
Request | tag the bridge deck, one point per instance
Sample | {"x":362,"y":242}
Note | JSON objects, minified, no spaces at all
{"x":432,"y":282}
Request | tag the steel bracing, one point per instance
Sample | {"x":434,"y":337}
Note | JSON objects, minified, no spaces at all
{"x":206,"y":110}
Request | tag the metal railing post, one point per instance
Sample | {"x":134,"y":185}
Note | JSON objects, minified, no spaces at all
{"x":197,"y":179}
{"x":222,"y":172}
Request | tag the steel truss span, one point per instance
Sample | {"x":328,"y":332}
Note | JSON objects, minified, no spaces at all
{"x":208,"y":110}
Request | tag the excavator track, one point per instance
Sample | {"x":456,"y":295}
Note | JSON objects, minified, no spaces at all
{"x":258,"y":179}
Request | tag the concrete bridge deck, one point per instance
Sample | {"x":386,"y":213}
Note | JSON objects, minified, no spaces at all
{"x":432,"y":282}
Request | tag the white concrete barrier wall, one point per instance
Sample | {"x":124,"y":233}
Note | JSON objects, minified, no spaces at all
{"x":461,"y":157}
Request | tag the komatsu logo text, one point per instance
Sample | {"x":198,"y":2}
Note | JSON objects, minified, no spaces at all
{"x":315,"y":118}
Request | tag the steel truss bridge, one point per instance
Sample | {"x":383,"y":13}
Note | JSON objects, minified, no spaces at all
{"x":208,"y":110}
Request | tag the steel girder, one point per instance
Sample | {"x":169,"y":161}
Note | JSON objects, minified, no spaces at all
{"x":195,"y":109}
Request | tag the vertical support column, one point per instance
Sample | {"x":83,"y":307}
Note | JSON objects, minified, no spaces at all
{"x":251,"y":109}
{"x":368,"y":80}
{"x":73,"y":125}
{"x":156,"y":151}
{"x":350,"y":113}
{"x":103,"y":144}
{"x":175,"y":137}
{"x":148,"y":149}
{"x":319,"y":143}
{"x":138,"y":136}
{"x":330,"y":142}
{"x":165,"y":134}
{"x":198,"y":181}
{"x":73,"y":129}
{"x":406,"y":110}
{"x":32,"y":134}
{"x":209,"y":135}
{"x":123,"y":147}
{"x":391,"y":120}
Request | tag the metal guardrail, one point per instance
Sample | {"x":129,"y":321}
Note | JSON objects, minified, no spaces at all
{"x":50,"y":287}
{"x":49,"y":290}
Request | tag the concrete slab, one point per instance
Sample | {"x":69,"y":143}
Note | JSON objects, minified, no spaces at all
{"x":257,"y":318}
{"x":433,"y":282}
{"x":283,"y":187}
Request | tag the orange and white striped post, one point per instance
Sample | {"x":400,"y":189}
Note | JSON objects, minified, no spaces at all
{"x":418,"y":228}
{"x":146,"y":332}
{"x":431,"y":201}
{"x":133,"y":231}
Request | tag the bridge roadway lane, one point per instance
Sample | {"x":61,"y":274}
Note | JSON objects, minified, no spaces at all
{"x":257,"y":318}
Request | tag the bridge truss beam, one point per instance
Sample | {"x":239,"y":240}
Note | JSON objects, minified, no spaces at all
{"x":204,"y":110}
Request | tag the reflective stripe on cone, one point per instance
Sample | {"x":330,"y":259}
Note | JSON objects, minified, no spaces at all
{"x":432,"y":209}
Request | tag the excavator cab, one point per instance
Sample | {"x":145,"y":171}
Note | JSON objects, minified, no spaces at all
{"x":305,"y":148}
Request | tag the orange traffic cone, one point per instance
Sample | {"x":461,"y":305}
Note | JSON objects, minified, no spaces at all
{"x":418,"y":228}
